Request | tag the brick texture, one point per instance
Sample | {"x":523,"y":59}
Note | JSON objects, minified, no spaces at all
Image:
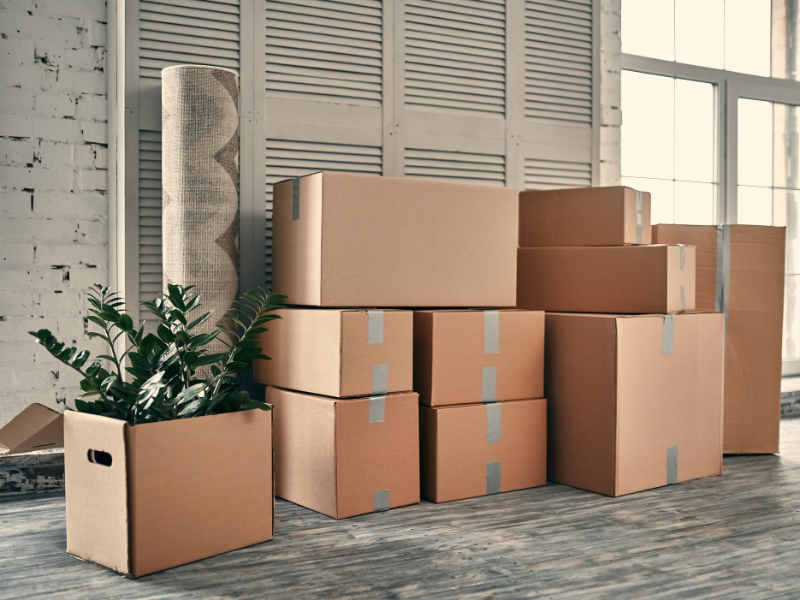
{"x":53,"y":186}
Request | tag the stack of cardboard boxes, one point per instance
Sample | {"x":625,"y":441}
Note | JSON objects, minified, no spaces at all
{"x":354,"y":253}
{"x":633,"y":375}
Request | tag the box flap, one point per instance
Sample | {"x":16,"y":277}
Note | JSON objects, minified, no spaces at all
{"x":95,"y":472}
{"x":35,"y":428}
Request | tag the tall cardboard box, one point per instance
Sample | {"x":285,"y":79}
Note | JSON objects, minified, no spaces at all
{"x":740,"y":271}
{"x":339,"y":352}
{"x":480,"y":449}
{"x":593,"y":216}
{"x":346,"y":457}
{"x":635,"y":402}
{"x":466,"y":356}
{"x":153,"y":496}
{"x":607,"y":279}
{"x":341,"y":239}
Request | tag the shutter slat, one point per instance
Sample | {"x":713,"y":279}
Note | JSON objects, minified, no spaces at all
{"x":482,"y":169}
{"x":545,"y":175}
{"x":455,"y":55}
{"x":558,"y":61}
{"x":325,"y":51}
{"x":150,"y":265}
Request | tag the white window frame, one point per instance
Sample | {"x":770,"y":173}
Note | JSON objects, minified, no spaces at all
{"x":729,"y":87}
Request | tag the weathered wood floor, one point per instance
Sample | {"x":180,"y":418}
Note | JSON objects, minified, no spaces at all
{"x":735,"y":536}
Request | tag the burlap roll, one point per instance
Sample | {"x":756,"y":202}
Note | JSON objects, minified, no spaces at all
{"x":200,"y":178}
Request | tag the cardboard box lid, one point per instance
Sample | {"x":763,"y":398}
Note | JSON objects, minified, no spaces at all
{"x":592,"y":216}
{"x":37,"y":427}
{"x":607,"y":279}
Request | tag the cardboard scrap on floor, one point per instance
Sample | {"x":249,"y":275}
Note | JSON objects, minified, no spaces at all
{"x":36,"y":428}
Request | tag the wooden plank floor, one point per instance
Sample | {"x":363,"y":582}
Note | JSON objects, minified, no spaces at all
{"x":735,"y":536}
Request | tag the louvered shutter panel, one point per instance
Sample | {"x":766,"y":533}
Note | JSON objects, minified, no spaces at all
{"x":558,"y":60}
{"x":200,"y":32}
{"x":456,"y":167}
{"x":551,"y":174}
{"x":325,"y":51}
{"x":455,"y":54}
{"x":286,"y":158}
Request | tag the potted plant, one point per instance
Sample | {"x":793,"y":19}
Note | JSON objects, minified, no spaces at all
{"x":167,"y":460}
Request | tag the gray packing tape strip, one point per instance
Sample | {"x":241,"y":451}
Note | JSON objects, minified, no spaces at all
{"x":375,"y":327}
{"x":492,"y":478}
{"x":668,"y":335}
{"x":683,"y":297}
{"x":638,"y":217}
{"x":722,"y":291}
{"x":489,"y":384}
{"x":295,"y":198}
{"x":377,"y":409}
{"x":380,"y":501}
{"x":494,"y":427}
{"x":672,"y":465}
{"x":683,"y":255}
{"x":491,"y":332}
{"x":380,"y":379}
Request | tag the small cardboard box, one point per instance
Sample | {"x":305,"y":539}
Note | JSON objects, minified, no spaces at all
{"x":342,"y":239}
{"x":480,"y":449}
{"x":153,"y":496}
{"x":607,"y":279}
{"x":635,"y":401}
{"x":751,"y":293}
{"x":36,"y":428}
{"x":467,"y":356}
{"x":339,"y":352}
{"x":594,"y":216}
{"x":346,"y":457}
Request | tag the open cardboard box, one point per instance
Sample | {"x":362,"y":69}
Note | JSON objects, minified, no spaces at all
{"x":740,"y":271}
{"x":153,"y":496}
{"x":36,"y":428}
{"x":338,"y":352}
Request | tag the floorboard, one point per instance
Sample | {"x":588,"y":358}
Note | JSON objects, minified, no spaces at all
{"x":735,"y":536}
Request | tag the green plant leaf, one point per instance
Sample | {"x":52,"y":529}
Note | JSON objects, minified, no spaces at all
{"x":125,"y":322}
{"x":165,"y":334}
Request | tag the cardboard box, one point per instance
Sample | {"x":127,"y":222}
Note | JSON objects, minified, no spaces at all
{"x":146,"y":498}
{"x":342,"y":239}
{"x":467,"y":356}
{"x":346,"y":457}
{"x":339,"y":352}
{"x":37,"y":427}
{"x":635,"y":401}
{"x":751,"y":294}
{"x":594,"y":216}
{"x":607,"y":279}
{"x":479,"y":449}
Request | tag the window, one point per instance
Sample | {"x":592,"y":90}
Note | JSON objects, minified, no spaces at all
{"x":710,"y":90}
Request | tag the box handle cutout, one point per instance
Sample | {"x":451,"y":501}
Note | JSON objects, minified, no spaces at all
{"x":99,"y":457}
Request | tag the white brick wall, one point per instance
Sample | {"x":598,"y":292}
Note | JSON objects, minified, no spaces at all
{"x":53,"y":182}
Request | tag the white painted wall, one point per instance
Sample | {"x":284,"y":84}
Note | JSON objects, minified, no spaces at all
{"x":610,"y":91}
{"x":53,"y":182}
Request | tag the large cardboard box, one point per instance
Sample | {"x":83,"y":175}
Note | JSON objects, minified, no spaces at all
{"x":479,"y":449}
{"x":153,"y":496}
{"x":594,"y":216}
{"x":341,"y":239}
{"x":346,"y":457}
{"x":467,"y":356}
{"x":635,"y":401}
{"x":609,"y":279}
{"x":750,"y":292}
{"x":339,"y":352}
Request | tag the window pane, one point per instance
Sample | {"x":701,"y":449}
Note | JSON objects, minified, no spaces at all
{"x":694,"y":203}
{"x":694,"y":131}
{"x":786,"y":168}
{"x":755,"y":143}
{"x":662,"y":197}
{"x":648,"y":28}
{"x":748,"y":25}
{"x":648,"y":125}
{"x":754,"y":206}
{"x":699,"y":32}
